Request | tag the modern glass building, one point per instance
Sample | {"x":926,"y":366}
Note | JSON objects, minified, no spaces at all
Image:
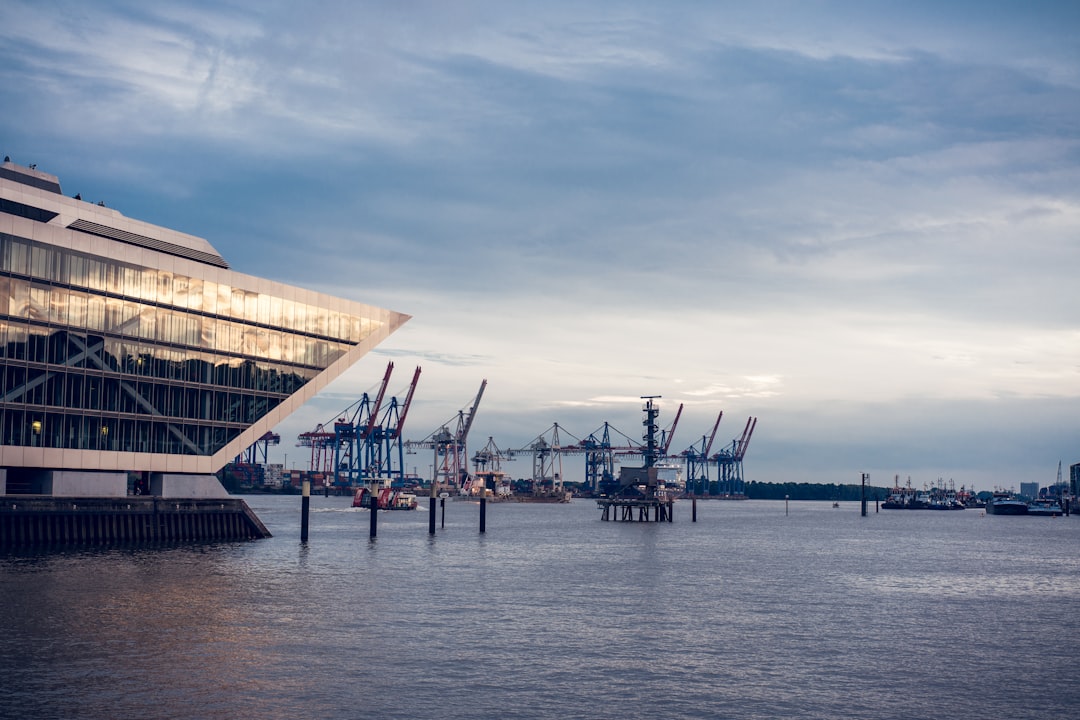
{"x":128,"y":347}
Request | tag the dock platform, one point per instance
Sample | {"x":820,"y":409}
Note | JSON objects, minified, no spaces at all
{"x":28,"y":521}
{"x":647,"y":509}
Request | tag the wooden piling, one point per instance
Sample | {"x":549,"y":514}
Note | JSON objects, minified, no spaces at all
{"x":305,"y":508}
{"x":483,"y":515}
{"x":374,"y":515}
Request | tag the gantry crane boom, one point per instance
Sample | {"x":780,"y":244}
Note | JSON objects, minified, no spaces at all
{"x":472,"y":413}
{"x":405,"y":407}
{"x":671,"y":431}
{"x":374,"y":415}
{"x":740,"y":450}
{"x":712,"y":435}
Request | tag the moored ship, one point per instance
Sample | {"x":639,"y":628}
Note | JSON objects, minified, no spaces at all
{"x":1006,"y":503}
{"x":1045,"y":507}
{"x":936,"y":498}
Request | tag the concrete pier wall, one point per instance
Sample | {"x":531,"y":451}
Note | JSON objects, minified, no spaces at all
{"x":173,"y":485}
{"x":78,"y":483}
{"x":41,"y":522}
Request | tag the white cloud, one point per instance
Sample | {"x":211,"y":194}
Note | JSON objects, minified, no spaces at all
{"x":773,"y":209}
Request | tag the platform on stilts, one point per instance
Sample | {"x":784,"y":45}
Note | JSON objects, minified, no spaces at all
{"x":641,"y":509}
{"x":638,"y":494}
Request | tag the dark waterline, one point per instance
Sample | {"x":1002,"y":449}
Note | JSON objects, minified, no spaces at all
{"x":748,"y":613}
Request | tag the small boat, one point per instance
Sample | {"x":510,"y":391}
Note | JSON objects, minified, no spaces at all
{"x":388,"y":499}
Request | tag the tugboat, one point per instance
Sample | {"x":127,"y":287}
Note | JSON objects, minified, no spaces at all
{"x":388,"y":499}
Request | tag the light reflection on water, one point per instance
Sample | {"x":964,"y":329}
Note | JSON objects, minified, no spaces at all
{"x":749,"y":613}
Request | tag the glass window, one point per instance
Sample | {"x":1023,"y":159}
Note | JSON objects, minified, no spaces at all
{"x":19,"y":299}
{"x":251,"y":307}
{"x":132,"y":281}
{"x":210,"y":295}
{"x":237,"y":304}
{"x":148,"y":322}
{"x":77,"y":270}
{"x":95,"y":274}
{"x":114,"y":312}
{"x":58,"y":271}
{"x":40,"y":259}
{"x":58,"y":306}
{"x":264,"y":309}
{"x":195,"y":294}
{"x":20,"y":256}
{"x":95,"y":313}
{"x":288,"y":314}
{"x":77,"y":309}
{"x":180,"y":291}
{"x":114,"y":277}
{"x":224,"y":300}
{"x":165,"y":287}
{"x":39,"y":303}
{"x":275,"y":311}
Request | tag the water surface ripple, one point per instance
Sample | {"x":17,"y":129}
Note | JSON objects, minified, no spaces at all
{"x":748,"y":613}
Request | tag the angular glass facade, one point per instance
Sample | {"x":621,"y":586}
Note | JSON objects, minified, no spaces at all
{"x":129,"y":347}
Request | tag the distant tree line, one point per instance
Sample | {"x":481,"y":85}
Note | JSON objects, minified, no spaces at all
{"x":812,"y":491}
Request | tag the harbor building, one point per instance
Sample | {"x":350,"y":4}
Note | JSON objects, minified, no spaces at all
{"x":132,"y":350}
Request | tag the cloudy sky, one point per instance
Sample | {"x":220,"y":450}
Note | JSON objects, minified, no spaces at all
{"x":858,"y":222}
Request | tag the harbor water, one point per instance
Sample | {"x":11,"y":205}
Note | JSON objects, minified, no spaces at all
{"x":754,"y":611}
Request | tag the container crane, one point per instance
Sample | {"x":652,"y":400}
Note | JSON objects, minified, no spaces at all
{"x":451,"y":463}
{"x":353,"y":436}
{"x":257,"y":452}
{"x":729,"y":462}
{"x":697,"y":462}
{"x":384,"y":444}
{"x":546,"y":450}
{"x":601,"y":456}
{"x":668,"y":434}
{"x":487,"y":466}
{"x":322,"y":443}
{"x":599,"y":459}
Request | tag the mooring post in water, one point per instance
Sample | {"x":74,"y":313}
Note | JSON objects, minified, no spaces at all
{"x":305,"y":506}
{"x":431,"y":510}
{"x":442,"y":506}
{"x":864,"y":479}
{"x":483,"y":514}
{"x":785,"y":504}
{"x":326,"y":489}
{"x":693,"y":507}
{"x":374,"y":514}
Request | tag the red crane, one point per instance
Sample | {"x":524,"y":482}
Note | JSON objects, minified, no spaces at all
{"x":669,"y":434}
{"x":373,"y":413}
{"x":405,"y":406}
{"x":712,"y":436}
{"x":744,"y":441}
